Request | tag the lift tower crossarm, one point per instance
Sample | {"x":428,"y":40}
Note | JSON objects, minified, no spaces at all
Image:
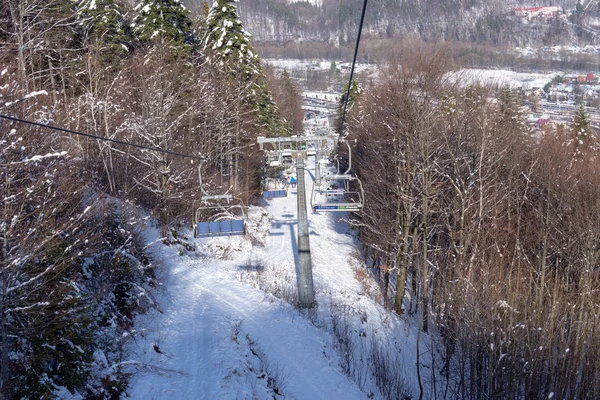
{"x":278,"y":141}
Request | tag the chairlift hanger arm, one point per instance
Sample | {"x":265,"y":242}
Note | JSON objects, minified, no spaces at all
{"x":205,"y":195}
{"x":349,"y":158}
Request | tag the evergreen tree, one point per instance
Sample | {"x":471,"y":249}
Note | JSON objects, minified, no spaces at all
{"x":581,"y":140}
{"x":162,"y":20}
{"x":510,"y":104}
{"x":103,"y":22}
{"x":227,"y":45}
{"x":511,"y":114}
{"x":355,"y":91}
{"x":229,"y":50}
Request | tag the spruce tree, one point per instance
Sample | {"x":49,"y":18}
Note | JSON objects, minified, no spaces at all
{"x":510,"y":103}
{"x":581,"y":139}
{"x":162,"y":20}
{"x":229,"y":50}
{"x":103,"y":22}
{"x":353,"y":94}
{"x":227,"y":45}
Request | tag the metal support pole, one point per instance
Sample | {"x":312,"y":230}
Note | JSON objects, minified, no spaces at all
{"x":306,"y":291}
{"x":317,"y":165}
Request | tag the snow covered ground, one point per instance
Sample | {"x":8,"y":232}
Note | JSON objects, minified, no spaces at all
{"x":226,"y":327}
{"x":501,"y":77}
{"x":313,"y":2}
{"x":317,"y":65}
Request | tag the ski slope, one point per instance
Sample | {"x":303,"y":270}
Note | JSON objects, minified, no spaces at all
{"x":226,"y":328}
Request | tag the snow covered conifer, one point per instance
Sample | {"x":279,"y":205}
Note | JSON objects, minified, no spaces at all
{"x":103,"y":22}
{"x":510,"y":106}
{"x":226,"y":44}
{"x":581,"y":138}
{"x":229,"y":50}
{"x":162,"y":20}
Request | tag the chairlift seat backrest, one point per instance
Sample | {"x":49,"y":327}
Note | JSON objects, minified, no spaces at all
{"x":237,"y":225}
{"x":270,"y":194}
{"x":214,"y":226}
{"x":202,"y":228}
{"x":223,"y":227}
{"x":337,"y":207}
{"x":218,"y":225}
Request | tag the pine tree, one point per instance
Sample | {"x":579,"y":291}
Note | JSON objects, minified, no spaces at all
{"x":355,"y":91}
{"x":510,"y":107}
{"x":162,"y":20}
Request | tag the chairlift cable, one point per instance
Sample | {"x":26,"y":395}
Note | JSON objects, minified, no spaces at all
{"x":360,"y":26}
{"x":89,"y":135}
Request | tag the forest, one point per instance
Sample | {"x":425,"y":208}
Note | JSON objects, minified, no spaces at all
{"x":494,"y":229}
{"x":481,"y":22}
{"x":484,"y":230}
{"x":73,"y":271}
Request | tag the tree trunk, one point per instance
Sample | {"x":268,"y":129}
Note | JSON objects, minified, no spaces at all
{"x":18,"y":20}
{"x":3,"y":323}
{"x":425,"y":267}
{"x":403,"y":219}
{"x":237,"y":151}
{"x":4,"y":371}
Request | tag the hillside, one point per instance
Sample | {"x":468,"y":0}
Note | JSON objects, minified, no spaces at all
{"x":469,"y":21}
{"x":469,"y":267}
{"x":228,"y":328}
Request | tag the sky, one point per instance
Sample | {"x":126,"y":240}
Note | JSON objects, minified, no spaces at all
{"x":224,"y":326}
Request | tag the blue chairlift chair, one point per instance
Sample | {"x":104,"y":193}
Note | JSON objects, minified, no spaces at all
{"x":218,"y":215}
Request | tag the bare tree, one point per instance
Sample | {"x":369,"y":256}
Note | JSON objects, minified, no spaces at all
{"x":39,"y":33}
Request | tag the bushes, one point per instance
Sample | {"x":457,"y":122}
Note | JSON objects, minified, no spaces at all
{"x":81,"y":308}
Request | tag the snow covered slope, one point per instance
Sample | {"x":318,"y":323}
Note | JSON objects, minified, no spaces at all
{"x":313,"y":2}
{"x":227,"y":328}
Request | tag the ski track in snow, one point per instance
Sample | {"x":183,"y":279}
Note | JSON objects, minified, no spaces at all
{"x":200,"y":341}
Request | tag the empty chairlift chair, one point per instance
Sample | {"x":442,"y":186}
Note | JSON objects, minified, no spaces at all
{"x":218,"y":215}
{"x":338,"y":192}
{"x":212,"y":219}
{"x":274,"y":187}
